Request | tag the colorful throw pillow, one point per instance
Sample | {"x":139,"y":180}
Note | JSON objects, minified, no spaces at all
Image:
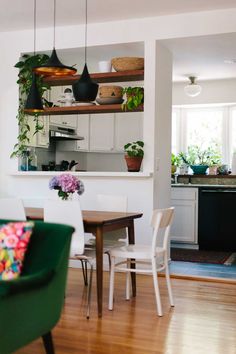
{"x":14,"y":239}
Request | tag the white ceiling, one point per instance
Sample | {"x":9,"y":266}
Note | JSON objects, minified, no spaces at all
{"x":70,"y":12}
{"x":200,"y":56}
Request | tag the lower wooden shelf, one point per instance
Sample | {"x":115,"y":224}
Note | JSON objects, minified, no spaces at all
{"x":109,"y":108}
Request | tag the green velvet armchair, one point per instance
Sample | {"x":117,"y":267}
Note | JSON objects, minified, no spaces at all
{"x":30,"y":306}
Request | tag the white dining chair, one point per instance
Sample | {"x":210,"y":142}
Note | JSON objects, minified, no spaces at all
{"x":69,"y":212}
{"x":150,"y":258}
{"x":12,"y":208}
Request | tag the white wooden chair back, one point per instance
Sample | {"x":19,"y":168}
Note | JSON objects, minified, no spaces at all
{"x":12,"y":208}
{"x":161,"y":219}
{"x":117,"y":203}
{"x":67,"y":212}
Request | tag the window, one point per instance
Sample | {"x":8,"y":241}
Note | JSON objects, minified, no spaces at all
{"x":212,"y":126}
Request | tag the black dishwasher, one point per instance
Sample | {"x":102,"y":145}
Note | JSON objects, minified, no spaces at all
{"x":217,"y":219}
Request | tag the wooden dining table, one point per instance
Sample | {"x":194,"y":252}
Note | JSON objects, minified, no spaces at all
{"x":98,"y":223}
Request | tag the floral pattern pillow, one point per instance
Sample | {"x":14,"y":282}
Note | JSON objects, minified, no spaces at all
{"x":14,"y":239}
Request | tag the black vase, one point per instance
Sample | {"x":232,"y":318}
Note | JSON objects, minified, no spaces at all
{"x":85,"y":89}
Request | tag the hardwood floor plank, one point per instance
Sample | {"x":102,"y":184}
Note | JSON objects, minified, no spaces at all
{"x":203,"y":320}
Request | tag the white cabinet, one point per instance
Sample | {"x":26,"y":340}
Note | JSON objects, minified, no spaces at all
{"x":68,"y":121}
{"x":41,"y":139}
{"x":82,"y":130}
{"x":128,"y":127}
{"x":102,"y":132}
{"x":184,"y":228}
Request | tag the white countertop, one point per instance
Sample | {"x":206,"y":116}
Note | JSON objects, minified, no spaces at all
{"x":83,"y":174}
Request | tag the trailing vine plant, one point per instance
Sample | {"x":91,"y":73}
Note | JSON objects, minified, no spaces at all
{"x":25,"y":65}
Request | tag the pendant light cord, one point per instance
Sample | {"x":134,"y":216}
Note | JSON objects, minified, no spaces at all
{"x":34,"y":26}
{"x":54,"y":24}
{"x":85,"y":39}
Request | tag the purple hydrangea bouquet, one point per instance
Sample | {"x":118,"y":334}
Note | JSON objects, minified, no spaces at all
{"x":66,"y":184}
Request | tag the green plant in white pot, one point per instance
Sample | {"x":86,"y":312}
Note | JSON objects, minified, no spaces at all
{"x":134,"y":155}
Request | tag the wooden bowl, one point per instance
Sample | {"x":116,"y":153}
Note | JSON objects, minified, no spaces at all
{"x":110,"y":91}
{"x":127,"y":63}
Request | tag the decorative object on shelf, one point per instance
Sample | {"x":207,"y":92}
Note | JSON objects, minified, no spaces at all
{"x":134,"y":97}
{"x":111,"y":91}
{"x":192,"y":89}
{"x":54,"y":67}
{"x":67,"y":98}
{"x":85,"y":89}
{"x":127,"y":63}
{"x":134,"y":155}
{"x":66,"y":184}
{"x":104,"y":66}
{"x":223,"y":169}
{"x":109,"y":100}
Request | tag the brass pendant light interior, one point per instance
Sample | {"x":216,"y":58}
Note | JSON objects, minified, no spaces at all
{"x":54,"y":66}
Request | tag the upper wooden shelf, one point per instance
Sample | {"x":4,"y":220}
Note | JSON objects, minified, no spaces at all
{"x":108,"y":108}
{"x":119,"y":76}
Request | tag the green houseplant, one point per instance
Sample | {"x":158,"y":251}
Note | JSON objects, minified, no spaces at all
{"x":200,"y":159}
{"x":175,"y":162}
{"x":134,"y":97}
{"x":25,"y":65}
{"x":134,"y":155}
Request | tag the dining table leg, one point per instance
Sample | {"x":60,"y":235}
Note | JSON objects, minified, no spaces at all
{"x":99,"y":268}
{"x":132,"y":242}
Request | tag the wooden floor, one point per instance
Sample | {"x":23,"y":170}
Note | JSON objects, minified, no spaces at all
{"x":203,"y":320}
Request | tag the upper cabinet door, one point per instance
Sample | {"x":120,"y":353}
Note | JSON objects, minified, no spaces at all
{"x":128,"y":128}
{"x":102,"y":132}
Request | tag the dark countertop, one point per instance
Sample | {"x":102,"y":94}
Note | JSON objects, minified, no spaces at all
{"x":193,"y":185}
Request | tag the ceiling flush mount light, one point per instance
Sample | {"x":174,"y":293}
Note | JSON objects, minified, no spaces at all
{"x":85,"y":89}
{"x":34,"y":101}
{"x":54,"y":67}
{"x":192,"y":89}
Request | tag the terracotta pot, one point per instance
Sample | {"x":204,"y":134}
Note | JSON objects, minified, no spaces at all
{"x":213,"y":170}
{"x":133,"y":163}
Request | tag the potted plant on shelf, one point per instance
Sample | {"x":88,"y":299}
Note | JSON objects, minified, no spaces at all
{"x":25,"y":65}
{"x":134,"y":98}
{"x":134,"y":155}
{"x":214,"y":162}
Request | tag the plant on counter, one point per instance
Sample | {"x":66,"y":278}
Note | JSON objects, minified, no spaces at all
{"x":66,"y":184}
{"x":24,"y":81}
{"x":175,"y":162}
{"x":134,"y":97}
{"x":196,"y":157}
{"x":134,"y":155}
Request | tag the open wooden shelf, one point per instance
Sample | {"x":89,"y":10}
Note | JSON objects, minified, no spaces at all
{"x":108,"y":108}
{"x":119,"y":76}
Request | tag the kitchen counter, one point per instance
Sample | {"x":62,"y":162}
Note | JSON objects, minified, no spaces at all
{"x":194,"y":185}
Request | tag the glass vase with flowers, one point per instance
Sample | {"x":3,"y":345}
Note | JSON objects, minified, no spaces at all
{"x":66,"y":184}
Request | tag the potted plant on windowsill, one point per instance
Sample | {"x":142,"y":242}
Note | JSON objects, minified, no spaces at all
{"x":134,"y":155}
{"x":197,"y":159}
{"x":134,"y":98}
{"x":175,"y":162}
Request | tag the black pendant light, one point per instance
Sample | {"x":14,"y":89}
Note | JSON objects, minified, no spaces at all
{"x":34,"y":101}
{"x":85,"y":89}
{"x":54,"y":67}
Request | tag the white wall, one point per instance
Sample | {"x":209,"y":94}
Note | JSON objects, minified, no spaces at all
{"x":140,"y":191}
